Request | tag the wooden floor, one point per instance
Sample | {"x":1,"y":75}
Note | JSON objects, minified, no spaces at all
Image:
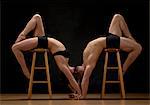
{"x":62,"y":99}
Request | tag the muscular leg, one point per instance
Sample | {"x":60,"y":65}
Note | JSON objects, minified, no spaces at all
{"x":134,"y":50}
{"x":114,"y":27}
{"x":39,"y":30}
{"x":17,"y":49}
{"x":118,"y":27}
{"x":35,"y":24}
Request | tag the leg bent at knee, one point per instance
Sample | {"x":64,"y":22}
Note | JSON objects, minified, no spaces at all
{"x":37,"y":16}
{"x":118,"y":16}
{"x":14,"y":48}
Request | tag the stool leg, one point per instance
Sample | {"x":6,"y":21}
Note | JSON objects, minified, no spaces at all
{"x":31,"y":76}
{"x":120,"y":76}
{"x":104,"y":75}
{"x":47,"y":73}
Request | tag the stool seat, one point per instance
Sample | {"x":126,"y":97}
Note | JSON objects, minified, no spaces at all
{"x":33,"y":68}
{"x":119,"y":68}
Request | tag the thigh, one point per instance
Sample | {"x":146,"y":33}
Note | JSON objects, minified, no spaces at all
{"x":127,"y":44}
{"x":114,"y":27}
{"x":27,"y":44}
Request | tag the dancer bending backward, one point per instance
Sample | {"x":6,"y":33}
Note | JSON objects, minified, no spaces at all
{"x":118,"y":30}
{"x":39,"y":40}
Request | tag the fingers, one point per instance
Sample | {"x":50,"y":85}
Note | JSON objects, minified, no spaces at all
{"x":20,"y":38}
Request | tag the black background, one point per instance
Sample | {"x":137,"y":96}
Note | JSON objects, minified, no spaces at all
{"x":74,"y":23}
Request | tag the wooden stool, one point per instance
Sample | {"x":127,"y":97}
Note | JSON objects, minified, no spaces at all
{"x":46,"y":67}
{"x":119,"y":68}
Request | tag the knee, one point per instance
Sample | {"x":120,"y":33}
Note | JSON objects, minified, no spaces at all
{"x":118,"y":16}
{"x":138,"y":48}
{"x":37,"y":16}
{"x":14,"y":47}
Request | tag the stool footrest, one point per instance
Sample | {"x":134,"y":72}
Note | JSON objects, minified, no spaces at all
{"x":40,"y":82}
{"x":112,"y":81}
{"x":112,"y":68}
{"x":38,"y":68}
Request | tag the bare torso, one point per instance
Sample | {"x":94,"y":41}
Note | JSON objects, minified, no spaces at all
{"x":94,"y":45}
{"x":93,"y":50}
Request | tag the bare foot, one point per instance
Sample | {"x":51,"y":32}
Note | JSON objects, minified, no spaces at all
{"x":81,"y":97}
{"x":74,"y":96}
{"x":77,"y":96}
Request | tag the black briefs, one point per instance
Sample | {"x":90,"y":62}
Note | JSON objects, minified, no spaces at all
{"x":42,"y":42}
{"x":112,"y":41}
{"x":64,"y":53}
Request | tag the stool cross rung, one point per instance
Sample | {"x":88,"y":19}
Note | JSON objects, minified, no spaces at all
{"x":38,"y":68}
{"x":40,"y":82}
{"x":112,"y":81}
{"x":112,"y":67}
